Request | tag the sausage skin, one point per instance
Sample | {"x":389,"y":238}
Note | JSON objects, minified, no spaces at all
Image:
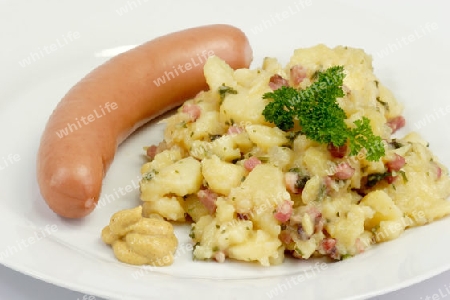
{"x":116,"y":98}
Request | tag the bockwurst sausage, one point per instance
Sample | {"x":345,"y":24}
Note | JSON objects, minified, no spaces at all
{"x":83,"y":132}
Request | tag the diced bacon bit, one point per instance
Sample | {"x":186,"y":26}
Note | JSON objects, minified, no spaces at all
{"x":285,"y":237}
{"x":193,"y":111}
{"x":391,"y":179}
{"x":241,"y":216}
{"x":208,"y":198}
{"x":152,"y":151}
{"x":318,"y":224}
{"x":276,"y":81}
{"x":251,"y":163}
{"x":337,"y":152}
{"x":396,"y":123}
{"x":234,"y":129}
{"x":396,"y":163}
{"x":438,"y":170}
{"x":298,"y":74}
{"x":290,"y":180}
{"x":328,"y":246}
{"x":219,"y":256}
{"x":284,"y":211}
{"x":344,"y":171}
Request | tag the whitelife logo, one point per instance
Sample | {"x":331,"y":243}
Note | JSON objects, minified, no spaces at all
{"x":279,"y":17}
{"x":44,"y":51}
{"x":443,"y":293}
{"x":403,"y":41}
{"x":87,"y":297}
{"x":436,"y":115}
{"x":39,"y":234}
{"x":119,"y":192}
{"x":292,"y":281}
{"x":130,"y":6}
{"x":194,"y":62}
{"x":8,"y":161}
{"x":85,"y":120}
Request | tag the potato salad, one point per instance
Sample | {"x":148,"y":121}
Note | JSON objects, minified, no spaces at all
{"x":297,"y":160}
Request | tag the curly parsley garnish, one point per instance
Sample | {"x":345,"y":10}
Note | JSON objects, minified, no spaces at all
{"x":320,"y":116}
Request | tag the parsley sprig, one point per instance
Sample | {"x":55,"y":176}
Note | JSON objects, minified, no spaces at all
{"x":320,"y":116}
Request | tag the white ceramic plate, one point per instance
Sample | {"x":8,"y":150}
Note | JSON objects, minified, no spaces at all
{"x":50,"y":45}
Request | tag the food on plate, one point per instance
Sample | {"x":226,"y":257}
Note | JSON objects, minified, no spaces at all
{"x":298,"y":160}
{"x":137,"y":240}
{"x":82,"y":134}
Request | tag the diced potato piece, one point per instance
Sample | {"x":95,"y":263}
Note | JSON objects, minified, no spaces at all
{"x":213,"y":237}
{"x":233,"y":233}
{"x":221,"y":176}
{"x":281,"y":157}
{"x":307,"y":224}
{"x":414,"y":137}
{"x":247,"y":77}
{"x":204,"y":233}
{"x":265,"y":220}
{"x":207,"y":100}
{"x":301,"y":143}
{"x":306,"y":248}
{"x":266,"y":137}
{"x":242,"y":141}
{"x":347,"y":229}
{"x":194,"y":207}
{"x":225,"y":148}
{"x":389,"y":230}
{"x":260,"y":247}
{"x":364,"y":242}
{"x":243,"y":108}
{"x":263,"y":186}
{"x":225,"y":211}
{"x":181,"y":178}
{"x":218,"y":72}
{"x":316,"y":161}
{"x":421,"y":196}
{"x":162,"y":159}
{"x":277,"y":260}
{"x":374,"y":167}
{"x":200,"y":149}
{"x":206,"y":125}
{"x":177,"y":129}
{"x":168,"y":207}
{"x":271,"y":65}
{"x":260,"y":86}
{"x":312,"y":189}
{"x":356,"y":178}
{"x":198,"y":228}
{"x":385,"y":209}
